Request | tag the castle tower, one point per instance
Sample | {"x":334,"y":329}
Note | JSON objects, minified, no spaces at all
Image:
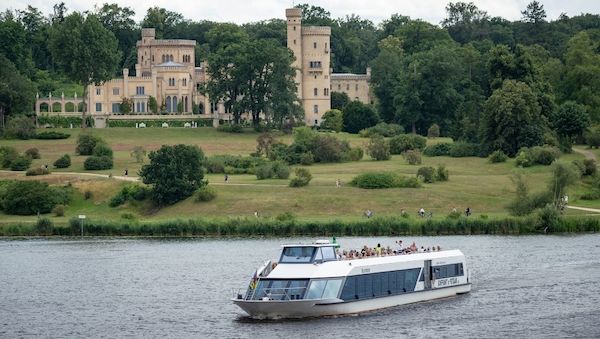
{"x":310,"y":46}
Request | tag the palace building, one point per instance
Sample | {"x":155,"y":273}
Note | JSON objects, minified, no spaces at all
{"x":166,"y":71}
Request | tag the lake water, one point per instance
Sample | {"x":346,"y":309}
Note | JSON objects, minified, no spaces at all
{"x":529,"y":286}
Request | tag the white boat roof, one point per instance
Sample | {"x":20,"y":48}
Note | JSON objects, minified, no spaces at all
{"x":342,"y":268}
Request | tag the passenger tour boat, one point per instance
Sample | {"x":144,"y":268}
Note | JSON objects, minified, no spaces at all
{"x":313,"y":280}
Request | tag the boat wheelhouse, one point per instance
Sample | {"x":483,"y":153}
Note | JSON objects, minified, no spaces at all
{"x":311,"y":280}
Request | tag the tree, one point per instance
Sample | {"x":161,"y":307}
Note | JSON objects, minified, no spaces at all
{"x":339,"y":100}
{"x":359,"y":116}
{"x":21,"y":127}
{"x":153,"y":105}
{"x":85,"y":50}
{"x":378,"y":148}
{"x":570,"y":120}
{"x":333,"y":120}
{"x":17,"y":92}
{"x":175,"y":173}
{"x":534,"y":13}
{"x":28,"y":198}
{"x":86,"y":143}
{"x":163,"y":21}
{"x":120,"y":21}
{"x":462,"y":20}
{"x":386,"y":73}
{"x":13,"y":42}
{"x":127,"y":105}
{"x":563,"y":175}
{"x":512,"y":119}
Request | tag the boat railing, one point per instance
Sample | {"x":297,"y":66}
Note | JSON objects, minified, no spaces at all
{"x":283,"y":293}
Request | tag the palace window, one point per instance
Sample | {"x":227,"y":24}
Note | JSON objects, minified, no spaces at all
{"x":184,"y":80}
{"x":339,"y":87}
{"x":116,"y":108}
{"x":325,"y":91}
{"x":171,"y":81}
{"x":314,"y":64}
{"x":139,"y":90}
{"x":347,"y":87}
{"x":315,"y":44}
{"x":98,"y":107}
{"x":115,"y":90}
{"x":316,"y":109}
{"x":98,"y":91}
{"x":294,"y":39}
{"x":140,"y":107}
{"x":356,"y":87}
{"x":316,"y":92}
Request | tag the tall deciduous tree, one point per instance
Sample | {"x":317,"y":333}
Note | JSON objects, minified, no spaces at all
{"x":512,"y":119}
{"x":359,"y":116}
{"x":175,"y":173}
{"x":17,"y":93}
{"x":534,"y":13}
{"x":120,"y":21}
{"x":85,"y":50}
{"x":164,"y":21}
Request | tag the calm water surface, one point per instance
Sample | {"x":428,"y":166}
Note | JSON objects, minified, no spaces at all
{"x":535,"y":286}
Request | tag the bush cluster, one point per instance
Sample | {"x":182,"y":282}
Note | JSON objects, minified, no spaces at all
{"x":433,"y":131}
{"x":205,"y":193}
{"x":31,"y":197}
{"x":86,"y":143}
{"x":303,"y":177}
{"x":7,"y":156}
{"x":63,"y":162}
{"x":437,"y":150}
{"x":33,"y":153}
{"x":587,"y":167}
{"x":429,"y":174}
{"x":497,"y":157}
{"x":58,"y":121}
{"x":462,"y":149}
{"x":231,"y":164}
{"x":383,"y":129}
{"x":20,"y":163}
{"x":128,"y":193}
{"x":537,"y":155}
{"x":230,"y":128}
{"x":405,"y":142}
{"x":378,"y":148}
{"x":273,"y":169}
{"x":98,"y":163}
{"x":37,"y":171}
{"x":412,"y":157}
{"x":49,"y":135}
{"x":375,"y":180}
{"x":593,"y":138}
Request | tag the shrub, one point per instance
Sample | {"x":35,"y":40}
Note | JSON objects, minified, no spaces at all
{"x":49,"y":135}
{"x":37,"y":171}
{"x":286,"y":217}
{"x":427,"y":174}
{"x":33,"y":153}
{"x":441,"y":173}
{"x":7,"y":156}
{"x":59,"y":210}
{"x":264,"y":172}
{"x":28,"y":197}
{"x":378,"y":148}
{"x":86,"y":144}
{"x":280,"y":170}
{"x":333,"y":120}
{"x":376,"y":180}
{"x":437,"y":150}
{"x":63,"y":162}
{"x":44,"y":226}
{"x":230,"y":128}
{"x":593,"y":138}
{"x":206,"y":193}
{"x":139,"y":153}
{"x":463,"y":149}
{"x":127,"y":216}
{"x":87,"y":195}
{"x":98,"y":163}
{"x":21,"y":163}
{"x":412,"y":157}
{"x":537,"y":155}
{"x":328,"y":149}
{"x":20,"y":127}
{"x":307,"y":159}
{"x":303,"y":177}
{"x":586,"y":167}
{"x":404,"y":142}
{"x":102,"y":150}
{"x":497,"y":157}
{"x":523,"y":158}
{"x":383,"y":129}
{"x":130,"y":192}
{"x":433,"y":131}
{"x":355,"y":154}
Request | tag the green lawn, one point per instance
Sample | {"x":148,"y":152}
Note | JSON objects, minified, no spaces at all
{"x":485,"y":188}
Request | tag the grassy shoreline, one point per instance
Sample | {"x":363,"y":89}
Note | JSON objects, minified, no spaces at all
{"x":379,"y":226}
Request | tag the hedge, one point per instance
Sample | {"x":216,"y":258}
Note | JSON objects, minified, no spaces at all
{"x":58,"y":121}
{"x":158,"y":123}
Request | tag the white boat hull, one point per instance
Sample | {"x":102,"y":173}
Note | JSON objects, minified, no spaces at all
{"x":275,"y":309}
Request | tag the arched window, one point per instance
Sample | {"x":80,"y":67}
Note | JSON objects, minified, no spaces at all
{"x":172,"y":57}
{"x":163,"y":58}
{"x":185,"y":106}
{"x":168,"y":102}
{"x":174,"y":104}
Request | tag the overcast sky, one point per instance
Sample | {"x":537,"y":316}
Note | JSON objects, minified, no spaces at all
{"x":242,"y":11}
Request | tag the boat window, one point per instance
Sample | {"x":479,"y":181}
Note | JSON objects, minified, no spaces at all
{"x":279,"y":289}
{"x":448,"y":271}
{"x":332,"y":288}
{"x":380,"y":284}
{"x":328,"y":253}
{"x":297,"y":254}
{"x":315,"y":291}
{"x":319,"y":255}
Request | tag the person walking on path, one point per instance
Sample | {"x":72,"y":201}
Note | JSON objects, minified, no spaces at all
{"x":126,"y":172}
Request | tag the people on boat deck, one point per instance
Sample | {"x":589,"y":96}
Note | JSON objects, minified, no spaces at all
{"x":380,"y":251}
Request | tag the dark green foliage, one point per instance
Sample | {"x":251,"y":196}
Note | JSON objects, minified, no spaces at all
{"x":328,"y":148}
{"x":28,"y":198}
{"x":524,"y":202}
{"x":587,"y":167}
{"x":375,"y":180}
{"x":461,"y":149}
{"x":358,"y":116}
{"x":63,"y":162}
{"x":302,"y":178}
{"x":37,"y":171}
{"x":537,"y":155}
{"x":44,"y":226}
{"x":355,"y":154}
{"x":405,"y":142}
{"x":593,"y":138}
{"x":86,"y":143}
{"x":339,"y":100}
{"x":175,"y":173}
{"x":87,"y":195}
{"x":128,"y":193}
{"x":427,"y":174}
{"x":570,"y":120}
{"x":98,"y":163}
{"x":307,"y":159}
{"x":563,"y":176}
{"x":333,"y":120}
{"x":230,"y":128}
{"x":437,"y":150}
{"x":433,"y":131}
{"x":383,"y":129}
{"x":274,"y":169}
{"x":441,"y":173}
{"x":102,"y":150}
{"x":58,"y":121}
{"x":20,"y":163}
{"x":412,"y":157}
{"x":206,"y":193}
{"x":7,"y":156}
{"x":33,"y":153}
{"x":497,"y":156}
{"x":594,"y":192}
{"x":20,"y":127}
{"x":59,"y":210}
{"x":378,"y":148}
{"x":49,"y":135}
{"x":231,"y":164}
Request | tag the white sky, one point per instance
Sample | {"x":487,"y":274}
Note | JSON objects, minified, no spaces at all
{"x":376,"y":10}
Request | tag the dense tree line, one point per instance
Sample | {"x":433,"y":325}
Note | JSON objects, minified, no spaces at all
{"x":449,"y":74}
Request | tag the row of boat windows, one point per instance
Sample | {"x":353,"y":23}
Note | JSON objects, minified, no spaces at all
{"x":380,"y":284}
{"x":304,"y":255}
{"x":446,"y":271}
